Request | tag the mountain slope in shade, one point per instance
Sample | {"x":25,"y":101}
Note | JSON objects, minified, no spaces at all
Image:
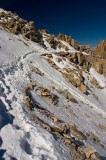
{"x":52,"y":101}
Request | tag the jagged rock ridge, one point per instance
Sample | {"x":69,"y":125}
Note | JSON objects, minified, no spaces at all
{"x":17,"y":25}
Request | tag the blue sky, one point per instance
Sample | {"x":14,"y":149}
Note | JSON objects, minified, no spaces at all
{"x":84,"y":20}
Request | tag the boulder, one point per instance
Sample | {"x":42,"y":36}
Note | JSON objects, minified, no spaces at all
{"x":55,"y":119}
{"x":95,"y":156}
{"x":57,"y":129}
{"x":69,"y":96}
{"x":76,"y":133}
{"x":95,"y":82}
{"x":52,"y":98}
{"x":83,"y":88}
{"x":89,"y":151}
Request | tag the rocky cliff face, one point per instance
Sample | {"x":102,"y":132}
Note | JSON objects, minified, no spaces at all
{"x":17,"y":25}
{"x":73,"y":43}
{"x":100,"y":51}
{"x":100,"y":58}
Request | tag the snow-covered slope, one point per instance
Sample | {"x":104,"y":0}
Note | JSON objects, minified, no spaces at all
{"x":32,"y":77}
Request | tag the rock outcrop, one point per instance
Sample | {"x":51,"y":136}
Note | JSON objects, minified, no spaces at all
{"x":69,"y":40}
{"x":73,"y":43}
{"x":53,"y":43}
{"x":17,"y":25}
{"x":100,"y":51}
{"x":79,"y":58}
{"x":100,"y":58}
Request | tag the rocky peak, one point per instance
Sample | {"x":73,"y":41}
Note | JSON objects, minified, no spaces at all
{"x":69,"y":40}
{"x":100,"y":51}
{"x":74,"y":44}
{"x":100,"y":58}
{"x":17,"y":25}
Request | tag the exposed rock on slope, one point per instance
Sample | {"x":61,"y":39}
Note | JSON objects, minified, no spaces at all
{"x":100,"y":58}
{"x":17,"y":25}
{"x":100,"y":51}
{"x":74,"y":44}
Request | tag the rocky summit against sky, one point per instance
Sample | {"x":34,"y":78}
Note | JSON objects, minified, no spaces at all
{"x":83,"y":20}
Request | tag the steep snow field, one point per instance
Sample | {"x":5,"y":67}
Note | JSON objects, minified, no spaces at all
{"x":20,"y":137}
